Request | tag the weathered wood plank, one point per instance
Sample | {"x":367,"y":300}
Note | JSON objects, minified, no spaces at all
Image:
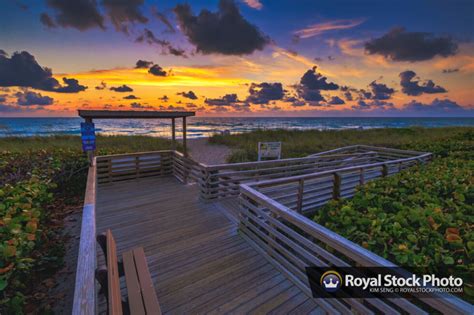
{"x":196,"y":258}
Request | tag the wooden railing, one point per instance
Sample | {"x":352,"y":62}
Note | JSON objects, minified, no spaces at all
{"x":220,"y":181}
{"x":120,"y":167}
{"x":293,"y":242}
{"x":305,"y":193}
{"x":85,"y":301}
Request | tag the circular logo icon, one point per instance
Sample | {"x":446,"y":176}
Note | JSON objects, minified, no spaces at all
{"x":331,"y":281}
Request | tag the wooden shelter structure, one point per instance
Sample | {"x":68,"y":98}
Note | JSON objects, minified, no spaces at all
{"x":90,"y":115}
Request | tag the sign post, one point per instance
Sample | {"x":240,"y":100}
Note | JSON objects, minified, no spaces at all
{"x":88,"y":138}
{"x":269,"y":150}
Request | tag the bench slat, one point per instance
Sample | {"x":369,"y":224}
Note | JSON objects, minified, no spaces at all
{"x":115,"y":298}
{"x":148,"y":290}
{"x":135,"y":300}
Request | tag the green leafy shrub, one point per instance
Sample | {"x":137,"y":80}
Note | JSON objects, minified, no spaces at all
{"x":421,"y":219}
{"x":22,"y":214}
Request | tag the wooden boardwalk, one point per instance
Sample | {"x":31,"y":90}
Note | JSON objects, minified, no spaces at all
{"x":198,"y":261}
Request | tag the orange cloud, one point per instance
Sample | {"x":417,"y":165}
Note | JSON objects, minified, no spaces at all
{"x":320,"y":28}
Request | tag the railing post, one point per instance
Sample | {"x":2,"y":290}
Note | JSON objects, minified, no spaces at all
{"x":384,"y":170}
{"x":210,"y":185}
{"x":162,"y":165}
{"x":336,"y":192}
{"x":137,"y":168}
{"x":299,"y":205}
{"x":361,"y":176}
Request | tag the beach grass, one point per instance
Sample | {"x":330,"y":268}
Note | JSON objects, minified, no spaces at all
{"x":105,"y":144}
{"x":297,"y":143}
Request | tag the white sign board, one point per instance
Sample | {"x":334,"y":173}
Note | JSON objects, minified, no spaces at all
{"x":269,"y":150}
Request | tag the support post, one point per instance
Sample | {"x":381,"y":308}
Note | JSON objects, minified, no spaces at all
{"x":361,"y":176}
{"x":185,"y":153}
{"x":336,"y":193}
{"x":90,"y":154}
{"x":299,"y":206}
{"x":173,"y":132}
{"x":185,"y":148}
{"x":384,"y":170}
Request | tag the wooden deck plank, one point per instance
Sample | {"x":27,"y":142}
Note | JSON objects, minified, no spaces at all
{"x":135,"y":300}
{"x":197,"y":259}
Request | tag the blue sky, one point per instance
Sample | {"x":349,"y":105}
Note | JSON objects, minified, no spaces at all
{"x":338,"y":32}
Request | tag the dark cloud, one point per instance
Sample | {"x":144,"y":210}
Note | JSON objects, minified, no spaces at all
{"x":336,"y":100}
{"x":79,"y":14}
{"x":3,"y":98}
{"x":316,"y":81}
{"x":437,"y":107}
{"x":264,"y":92}
{"x":136,"y":105}
{"x":157,"y":70}
{"x":363,"y":94}
{"x":143,"y":64}
{"x":400,"y":45}
{"x":149,"y":38}
{"x":164,"y":98}
{"x":191,"y":105}
{"x":163,"y":19}
{"x":311,"y":85}
{"x":10,"y":109}
{"x":223,"y":32}
{"x":226,"y":100}
{"x":47,"y":21}
{"x":131,"y":97}
{"x":414,"y":88}
{"x":22,"y":69}
{"x":122,"y":89}
{"x":122,"y":13}
{"x":310,"y":95}
{"x":102,"y":86}
{"x":28,"y":98}
{"x":244,"y":107}
{"x":348,"y":96}
{"x":189,"y":95}
{"x":381,"y":91}
{"x":70,"y":86}
{"x":373,"y":105}
{"x":171,"y":107}
{"x":452,"y":70}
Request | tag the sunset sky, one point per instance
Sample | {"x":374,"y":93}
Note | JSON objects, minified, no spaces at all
{"x":238,"y":58}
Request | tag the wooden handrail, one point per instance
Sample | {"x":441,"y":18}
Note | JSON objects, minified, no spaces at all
{"x":285,"y":180}
{"x":443,"y":302}
{"x":100,"y":157}
{"x":84,"y":291}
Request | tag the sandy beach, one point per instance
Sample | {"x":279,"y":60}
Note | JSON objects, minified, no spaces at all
{"x":202,"y":151}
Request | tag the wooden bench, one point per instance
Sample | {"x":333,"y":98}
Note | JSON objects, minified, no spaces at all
{"x":141,"y":295}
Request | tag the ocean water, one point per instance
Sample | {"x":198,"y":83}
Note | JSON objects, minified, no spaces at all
{"x":198,"y":127}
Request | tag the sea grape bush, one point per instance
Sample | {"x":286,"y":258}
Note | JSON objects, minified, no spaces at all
{"x":21,"y":212}
{"x":421,"y":219}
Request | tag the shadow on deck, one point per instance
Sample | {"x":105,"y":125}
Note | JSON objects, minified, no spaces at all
{"x":198,"y":261}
